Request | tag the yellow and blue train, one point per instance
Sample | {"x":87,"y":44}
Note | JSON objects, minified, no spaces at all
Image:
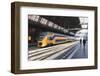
{"x":49,"y":38}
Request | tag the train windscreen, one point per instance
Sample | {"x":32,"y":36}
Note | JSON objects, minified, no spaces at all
{"x":42,"y":35}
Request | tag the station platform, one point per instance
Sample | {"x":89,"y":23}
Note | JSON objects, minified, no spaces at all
{"x":70,"y":50}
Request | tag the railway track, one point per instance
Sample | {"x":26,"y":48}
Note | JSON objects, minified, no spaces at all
{"x":50,"y":53}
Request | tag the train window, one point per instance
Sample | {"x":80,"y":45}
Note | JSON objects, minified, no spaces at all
{"x":50,"y":38}
{"x":42,"y":35}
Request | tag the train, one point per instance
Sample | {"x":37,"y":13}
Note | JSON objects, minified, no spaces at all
{"x":50,"y":38}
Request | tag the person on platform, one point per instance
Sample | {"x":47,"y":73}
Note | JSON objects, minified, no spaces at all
{"x":84,"y":42}
{"x":80,"y":41}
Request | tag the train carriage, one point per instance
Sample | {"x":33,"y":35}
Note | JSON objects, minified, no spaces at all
{"x":50,"y":38}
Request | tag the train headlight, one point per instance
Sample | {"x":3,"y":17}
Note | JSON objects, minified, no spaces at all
{"x":40,"y":43}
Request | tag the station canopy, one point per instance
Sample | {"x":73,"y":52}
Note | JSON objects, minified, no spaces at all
{"x":67,"y":22}
{"x":72,"y":24}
